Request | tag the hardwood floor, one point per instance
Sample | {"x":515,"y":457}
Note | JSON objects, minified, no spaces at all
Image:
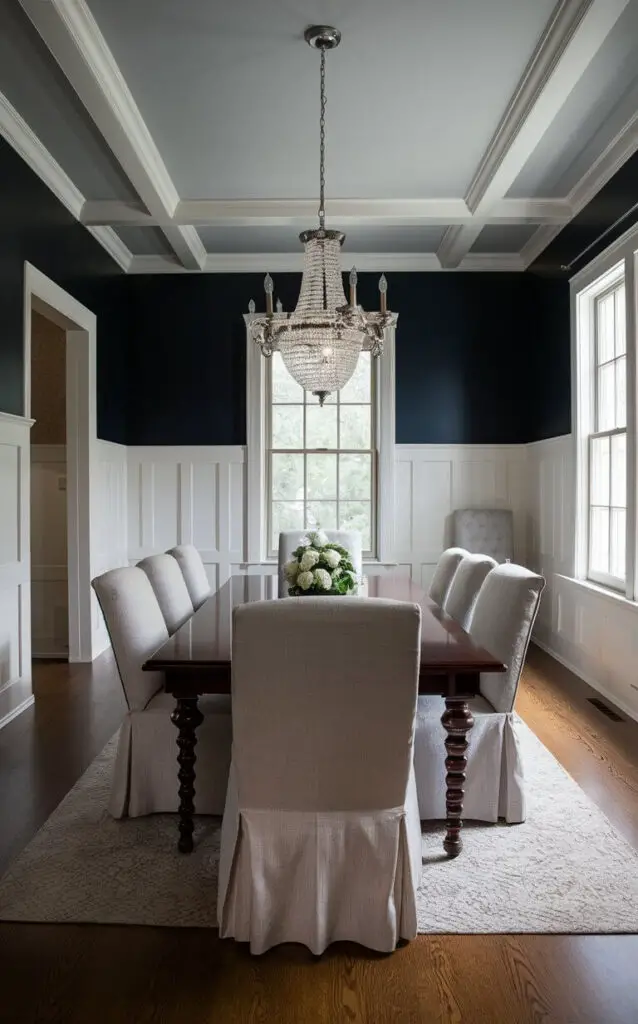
{"x":81,"y":973}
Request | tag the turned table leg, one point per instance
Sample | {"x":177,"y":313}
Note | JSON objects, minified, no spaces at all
{"x":457,"y":721}
{"x":186,"y":717}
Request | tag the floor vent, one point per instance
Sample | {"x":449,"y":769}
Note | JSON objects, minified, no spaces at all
{"x":601,"y":706}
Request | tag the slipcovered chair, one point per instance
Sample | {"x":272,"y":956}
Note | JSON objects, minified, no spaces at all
{"x":190,"y":562}
{"x":321,"y":839}
{"x":502,"y":623}
{"x":466,"y":583}
{"x":446,"y":566}
{"x":485,"y":531}
{"x":290,"y":540}
{"x":145,"y":773}
{"x":169,"y":588}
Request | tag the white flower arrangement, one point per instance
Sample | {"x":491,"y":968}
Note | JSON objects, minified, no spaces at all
{"x":319,"y":567}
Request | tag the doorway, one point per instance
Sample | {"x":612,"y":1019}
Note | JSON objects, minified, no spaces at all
{"x":59,"y":332}
{"x":49,"y":516}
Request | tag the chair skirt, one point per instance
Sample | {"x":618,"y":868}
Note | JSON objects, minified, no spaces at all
{"x":317,"y":878}
{"x":494,"y":787}
{"x":145,"y":774}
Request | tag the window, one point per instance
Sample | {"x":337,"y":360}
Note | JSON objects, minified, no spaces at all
{"x":608,"y":441}
{"x":321,"y":462}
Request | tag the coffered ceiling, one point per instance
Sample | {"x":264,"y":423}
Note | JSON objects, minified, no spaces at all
{"x":461,"y":135}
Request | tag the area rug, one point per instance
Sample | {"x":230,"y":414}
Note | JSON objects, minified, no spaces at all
{"x":564,"y":870}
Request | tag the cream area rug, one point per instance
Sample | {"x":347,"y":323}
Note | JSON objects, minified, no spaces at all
{"x":564,"y":870}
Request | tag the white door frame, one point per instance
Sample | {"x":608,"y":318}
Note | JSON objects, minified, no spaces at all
{"x":43,"y":295}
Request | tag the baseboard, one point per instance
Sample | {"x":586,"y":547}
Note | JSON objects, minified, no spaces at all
{"x":13,"y":702}
{"x":595,"y":685}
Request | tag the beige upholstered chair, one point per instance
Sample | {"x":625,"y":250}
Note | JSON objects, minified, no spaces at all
{"x":169,"y":588}
{"x":502,"y":623}
{"x":446,"y":566}
{"x":193,"y":571}
{"x":321,"y":839}
{"x":487,"y":531}
{"x":145,"y":773}
{"x":290,"y":540}
{"x":466,"y":583}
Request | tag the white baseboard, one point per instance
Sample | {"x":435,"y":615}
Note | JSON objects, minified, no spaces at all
{"x":15,"y":697}
{"x":587,"y":678}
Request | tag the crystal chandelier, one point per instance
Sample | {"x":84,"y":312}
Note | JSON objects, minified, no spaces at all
{"x":321,"y":341}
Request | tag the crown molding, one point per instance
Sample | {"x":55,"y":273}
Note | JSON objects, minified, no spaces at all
{"x":113,"y":245}
{"x":73,"y":36}
{"x":19,"y":135}
{"x":278,"y":262}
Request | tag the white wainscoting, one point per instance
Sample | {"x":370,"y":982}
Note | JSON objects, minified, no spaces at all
{"x":431,"y":481}
{"x":15,"y":604}
{"x":188,"y":495}
{"x":110,"y":548}
{"x":592,"y":632}
{"x":49,"y":558}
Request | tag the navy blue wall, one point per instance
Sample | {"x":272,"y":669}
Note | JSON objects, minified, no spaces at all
{"x":35,"y":227}
{"x":472,"y":354}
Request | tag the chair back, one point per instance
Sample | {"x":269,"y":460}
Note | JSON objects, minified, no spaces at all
{"x":446,"y":566}
{"x":190,"y":562}
{"x":136,"y":627}
{"x":289,"y":541}
{"x":486,"y":531}
{"x":466,"y":583}
{"x":324,"y":695}
{"x":502,"y":622}
{"x":169,"y":588}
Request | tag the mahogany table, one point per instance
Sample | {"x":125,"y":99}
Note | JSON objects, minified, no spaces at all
{"x":197,"y":660}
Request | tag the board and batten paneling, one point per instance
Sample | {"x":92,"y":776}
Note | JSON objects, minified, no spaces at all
{"x":49,"y":557}
{"x":432,"y":481}
{"x":15,"y":605}
{"x":188,"y":495}
{"x":110,"y":543}
{"x":591,"y":631}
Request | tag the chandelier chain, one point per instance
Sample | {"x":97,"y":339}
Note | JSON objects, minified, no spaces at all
{"x":322,"y":143}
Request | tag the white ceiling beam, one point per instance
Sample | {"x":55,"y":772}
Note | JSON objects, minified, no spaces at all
{"x":571,"y":39}
{"x":367,"y":262}
{"x":72,"y":35}
{"x":343,"y":212}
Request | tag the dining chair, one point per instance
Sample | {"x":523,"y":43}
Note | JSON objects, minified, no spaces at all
{"x":321,"y":839}
{"x":190,"y":562}
{"x":289,"y":541}
{"x":488,"y":531}
{"x":145,"y":777}
{"x":502,"y":622}
{"x":446,"y":566}
{"x":169,"y":588}
{"x":467,"y":581}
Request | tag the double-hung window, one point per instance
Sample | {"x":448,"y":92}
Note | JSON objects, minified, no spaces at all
{"x":608,"y":440}
{"x":321,"y":461}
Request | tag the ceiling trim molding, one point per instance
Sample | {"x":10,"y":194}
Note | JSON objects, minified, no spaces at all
{"x":571,"y":39}
{"x":73,"y":36}
{"x":113,"y":245}
{"x":616,"y":153}
{"x":19,"y":135}
{"x":278,"y":262}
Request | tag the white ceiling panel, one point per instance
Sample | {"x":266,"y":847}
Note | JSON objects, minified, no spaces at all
{"x":358,"y":239}
{"x":504,"y":238}
{"x":595,"y":111}
{"x":230,"y":91}
{"x":144,"y":241}
{"x":36,"y":87}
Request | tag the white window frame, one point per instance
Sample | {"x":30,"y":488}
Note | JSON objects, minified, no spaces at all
{"x":383,"y":410}
{"x":614,"y":265}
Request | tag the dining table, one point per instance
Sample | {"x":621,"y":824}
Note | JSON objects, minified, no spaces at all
{"x":196,"y":660}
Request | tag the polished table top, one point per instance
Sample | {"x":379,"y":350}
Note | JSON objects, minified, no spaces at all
{"x":205,"y":641}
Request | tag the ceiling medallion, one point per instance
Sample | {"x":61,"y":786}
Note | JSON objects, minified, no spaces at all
{"x":321,"y":341}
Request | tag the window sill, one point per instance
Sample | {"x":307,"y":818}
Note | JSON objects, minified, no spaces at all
{"x":600,"y":591}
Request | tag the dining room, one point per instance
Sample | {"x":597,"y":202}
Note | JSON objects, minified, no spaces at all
{"x":346,"y":723}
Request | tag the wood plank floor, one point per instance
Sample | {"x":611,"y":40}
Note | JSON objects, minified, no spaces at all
{"x":81,"y":973}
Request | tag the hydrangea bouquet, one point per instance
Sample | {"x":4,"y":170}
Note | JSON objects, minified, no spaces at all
{"x":319,"y":567}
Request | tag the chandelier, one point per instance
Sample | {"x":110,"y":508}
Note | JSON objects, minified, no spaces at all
{"x":321,"y":341}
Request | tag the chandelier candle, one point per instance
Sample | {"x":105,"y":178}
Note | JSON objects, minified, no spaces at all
{"x":321,"y":341}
